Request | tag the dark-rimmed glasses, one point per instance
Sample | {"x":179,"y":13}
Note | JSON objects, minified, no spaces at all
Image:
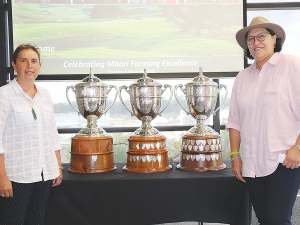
{"x":260,"y":37}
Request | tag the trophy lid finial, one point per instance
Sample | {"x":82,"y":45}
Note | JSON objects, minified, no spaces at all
{"x":91,"y":78}
{"x":200,"y":72}
{"x":201,"y":79}
{"x":145,"y":81}
{"x":145,"y":77}
{"x":91,"y":75}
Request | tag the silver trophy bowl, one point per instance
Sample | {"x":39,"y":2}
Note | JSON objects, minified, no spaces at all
{"x":201,"y":97}
{"x":145,"y":98}
{"x":91,"y":97}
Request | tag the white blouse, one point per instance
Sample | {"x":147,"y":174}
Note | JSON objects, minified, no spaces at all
{"x":28,"y":144}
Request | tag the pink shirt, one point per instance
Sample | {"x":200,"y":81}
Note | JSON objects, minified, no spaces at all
{"x":265,"y":108}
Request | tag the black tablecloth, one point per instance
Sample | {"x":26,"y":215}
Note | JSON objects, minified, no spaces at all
{"x":122,"y":198}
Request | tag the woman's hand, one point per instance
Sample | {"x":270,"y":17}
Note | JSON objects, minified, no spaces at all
{"x":58,"y":180}
{"x":237,"y":164}
{"x":292,"y":159}
{"x":237,"y":168}
{"x":5,"y":187}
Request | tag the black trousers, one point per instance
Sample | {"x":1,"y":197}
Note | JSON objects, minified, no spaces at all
{"x":28,"y":204}
{"x":273,"y":196}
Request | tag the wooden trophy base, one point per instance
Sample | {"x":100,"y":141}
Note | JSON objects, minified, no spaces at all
{"x":201,"y":153}
{"x":92,"y":155}
{"x":147,"y":155}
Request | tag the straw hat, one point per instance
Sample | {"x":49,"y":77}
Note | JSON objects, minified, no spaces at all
{"x":259,"y":22}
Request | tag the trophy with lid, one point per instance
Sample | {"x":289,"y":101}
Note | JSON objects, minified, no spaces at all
{"x":92,"y":148}
{"x":201,"y":145}
{"x":147,"y":151}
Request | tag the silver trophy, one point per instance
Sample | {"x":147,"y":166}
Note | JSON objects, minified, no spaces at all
{"x":201,"y":97}
{"x":91,"y":148}
{"x":201,"y":148}
{"x":91,"y":96}
{"x":145,"y":98}
{"x":147,"y":151}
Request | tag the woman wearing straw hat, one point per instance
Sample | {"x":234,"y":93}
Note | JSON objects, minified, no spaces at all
{"x":264,"y":121}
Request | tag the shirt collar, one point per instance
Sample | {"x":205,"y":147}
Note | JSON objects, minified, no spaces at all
{"x":18,"y":89}
{"x":16,"y":86}
{"x":253,"y":66}
{"x":273,"y":60}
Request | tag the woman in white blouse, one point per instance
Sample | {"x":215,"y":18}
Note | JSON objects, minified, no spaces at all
{"x":30,"y":160}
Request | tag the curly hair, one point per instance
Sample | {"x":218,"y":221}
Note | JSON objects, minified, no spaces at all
{"x":278,"y":44}
{"x":22,"y":47}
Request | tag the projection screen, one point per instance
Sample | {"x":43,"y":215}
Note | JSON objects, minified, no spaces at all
{"x":128,"y":36}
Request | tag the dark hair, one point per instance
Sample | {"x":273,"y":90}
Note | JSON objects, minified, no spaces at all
{"x":278,"y":44}
{"x":22,"y":47}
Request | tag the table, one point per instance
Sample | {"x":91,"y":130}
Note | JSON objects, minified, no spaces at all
{"x":122,"y":198}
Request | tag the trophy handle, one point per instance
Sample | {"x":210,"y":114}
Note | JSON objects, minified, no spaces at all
{"x":120,"y":96}
{"x":171,"y":96}
{"x":226,"y":94}
{"x":111,"y":87}
{"x":73,"y":89}
{"x":175,"y":91}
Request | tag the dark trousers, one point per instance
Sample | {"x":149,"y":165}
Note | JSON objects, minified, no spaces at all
{"x":28,"y":204}
{"x":273,"y":196}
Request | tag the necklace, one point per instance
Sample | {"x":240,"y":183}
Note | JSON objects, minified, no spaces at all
{"x":33,"y":113}
{"x":31,"y":102}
